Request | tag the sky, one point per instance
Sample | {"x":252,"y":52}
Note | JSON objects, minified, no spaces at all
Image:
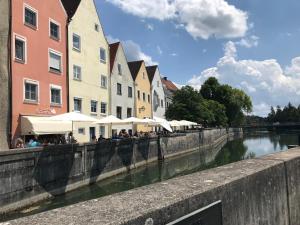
{"x":253,"y":45}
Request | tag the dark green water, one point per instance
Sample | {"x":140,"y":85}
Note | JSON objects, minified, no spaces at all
{"x":252,"y":145}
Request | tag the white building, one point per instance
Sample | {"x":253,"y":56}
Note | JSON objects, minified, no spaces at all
{"x":122,"y":86}
{"x":157,"y":92}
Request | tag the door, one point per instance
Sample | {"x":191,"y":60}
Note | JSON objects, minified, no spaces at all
{"x":92,"y":133}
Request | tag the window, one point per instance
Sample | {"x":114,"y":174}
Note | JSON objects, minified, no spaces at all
{"x":81,"y":131}
{"x":96,"y":27}
{"x":129,"y":112}
{"x":149,"y":99}
{"x":120,"y":69}
{"x":129,"y":92}
{"x":94,"y":106}
{"x":102,"y":55}
{"x":162,"y":103}
{"x":119,"y":89}
{"x":55,"y":95}
{"x":76,"y":42}
{"x":54,"y":30}
{"x":102,"y":131}
{"x":144,"y":77}
{"x":103,"y":107}
{"x":30,"y":17}
{"x":139,"y":95}
{"x":31,"y":91}
{"x":76,"y":72}
{"x":55,"y":64}
{"x":20,"y":49}
{"x":144,"y":97}
{"x":119,"y":112}
{"x":77,"y":104}
{"x":103,"y":81}
{"x":157,"y":83}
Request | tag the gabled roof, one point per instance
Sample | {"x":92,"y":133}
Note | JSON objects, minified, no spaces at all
{"x":71,"y":6}
{"x":169,"y":84}
{"x":113,"y":53}
{"x":135,"y":68}
{"x":151,"y":72}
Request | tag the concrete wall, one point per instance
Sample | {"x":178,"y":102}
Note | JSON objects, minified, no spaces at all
{"x":263,"y":191}
{"x":4,"y":73}
{"x":31,"y":175}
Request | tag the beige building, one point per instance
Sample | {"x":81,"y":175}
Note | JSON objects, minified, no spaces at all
{"x":89,"y":80}
{"x":143,"y":106}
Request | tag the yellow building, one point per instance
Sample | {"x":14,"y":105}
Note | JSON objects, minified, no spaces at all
{"x":143,"y":106}
{"x":89,"y":82}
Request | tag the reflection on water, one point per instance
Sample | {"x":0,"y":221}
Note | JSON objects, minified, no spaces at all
{"x":253,"y":145}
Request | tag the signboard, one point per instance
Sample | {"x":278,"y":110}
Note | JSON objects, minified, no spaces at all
{"x":210,"y":215}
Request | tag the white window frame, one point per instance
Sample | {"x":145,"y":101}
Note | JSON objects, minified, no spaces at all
{"x":74,"y":78}
{"x":77,"y":98}
{"x":106,"y":81}
{"x":75,"y":48}
{"x":101,"y":60}
{"x":53,"y":86}
{"x":30,"y":81}
{"x":121,"y":91}
{"x":130,"y":96}
{"x":96,"y":106}
{"x":59,"y":27}
{"x":105,"y":108}
{"x":61,"y":61}
{"x":24,"y":39}
{"x":25,"y":5}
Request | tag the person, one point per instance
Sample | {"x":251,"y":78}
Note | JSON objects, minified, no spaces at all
{"x":33,"y":143}
{"x":101,"y":138}
{"x":71,"y":139}
{"x":94,"y":139}
{"x":20,"y":143}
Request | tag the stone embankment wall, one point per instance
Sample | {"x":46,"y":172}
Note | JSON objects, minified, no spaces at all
{"x":263,"y":191}
{"x":31,"y":175}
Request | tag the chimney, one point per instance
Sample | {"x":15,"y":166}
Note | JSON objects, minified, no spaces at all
{"x":165,"y":78}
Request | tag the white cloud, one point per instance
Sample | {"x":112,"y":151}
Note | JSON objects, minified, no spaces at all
{"x":174,"y":54}
{"x":150,"y":27}
{"x":294,"y":69}
{"x":248,"y":42}
{"x":200,"y":18}
{"x":160,"y":52}
{"x":265,"y":81}
{"x":133,"y":51}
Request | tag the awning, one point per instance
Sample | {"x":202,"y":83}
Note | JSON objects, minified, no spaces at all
{"x":34,"y":125}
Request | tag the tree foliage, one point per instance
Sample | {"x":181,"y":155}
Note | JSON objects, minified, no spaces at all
{"x":289,"y":113}
{"x":214,"y":105}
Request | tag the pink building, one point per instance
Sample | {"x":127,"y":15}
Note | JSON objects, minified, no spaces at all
{"x":39,"y":53}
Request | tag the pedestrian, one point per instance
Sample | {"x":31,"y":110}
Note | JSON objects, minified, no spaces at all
{"x":19,"y":143}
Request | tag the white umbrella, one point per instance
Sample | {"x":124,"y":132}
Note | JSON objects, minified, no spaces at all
{"x":175,"y":123}
{"x":110,"y":120}
{"x":73,"y":117}
{"x":133,"y":120}
{"x":187,"y":123}
{"x":163,"y":123}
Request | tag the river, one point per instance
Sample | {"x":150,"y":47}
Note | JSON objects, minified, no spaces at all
{"x":251,"y":146}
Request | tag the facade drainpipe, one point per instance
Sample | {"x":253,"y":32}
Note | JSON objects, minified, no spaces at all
{"x":9,"y":122}
{"x":67,"y":63}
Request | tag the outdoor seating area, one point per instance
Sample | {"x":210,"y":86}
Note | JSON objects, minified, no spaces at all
{"x":44,"y":131}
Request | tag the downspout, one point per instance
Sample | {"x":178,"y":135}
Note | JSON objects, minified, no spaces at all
{"x":67,"y":63}
{"x":9,"y":65}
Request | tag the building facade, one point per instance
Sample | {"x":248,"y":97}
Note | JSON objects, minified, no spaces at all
{"x":38,"y":60}
{"x":122,"y":86}
{"x":143,"y":106}
{"x":157,"y":92}
{"x":4,"y":74}
{"x":169,"y":89}
{"x":89,"y":70}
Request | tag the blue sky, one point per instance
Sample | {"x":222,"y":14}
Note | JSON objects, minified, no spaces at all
{"x":251,"y":44}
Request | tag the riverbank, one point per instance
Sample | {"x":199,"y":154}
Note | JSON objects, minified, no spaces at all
{"x":42,"y":173}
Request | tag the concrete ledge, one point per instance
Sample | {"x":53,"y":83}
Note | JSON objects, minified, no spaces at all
{"x":262,"y":191}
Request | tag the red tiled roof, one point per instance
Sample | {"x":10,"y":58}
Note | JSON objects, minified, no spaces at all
{"x":113,"y":53}
{"x":169,"y":84}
